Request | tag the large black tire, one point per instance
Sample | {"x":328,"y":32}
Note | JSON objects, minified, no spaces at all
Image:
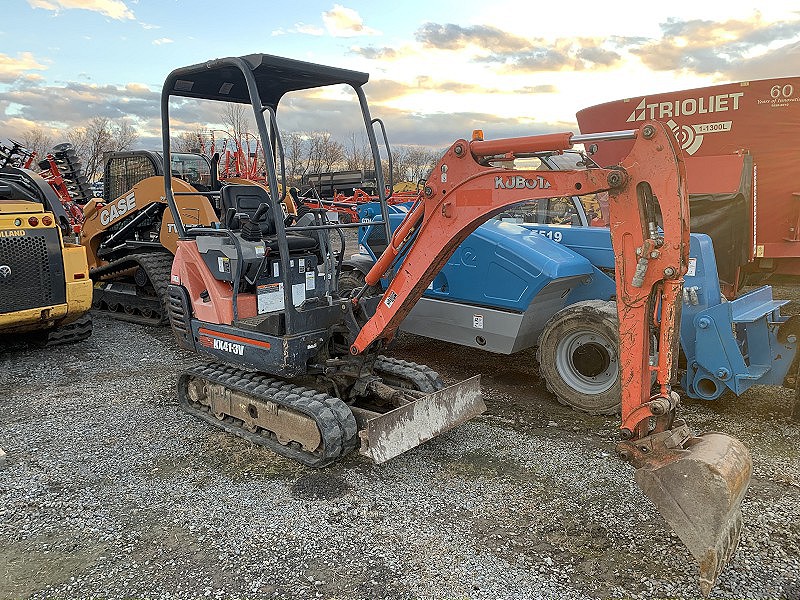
{"x":351,"y":280}
{"x":578,"y":357}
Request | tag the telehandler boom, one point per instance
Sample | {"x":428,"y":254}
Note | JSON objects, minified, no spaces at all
{"x":261,"y":295}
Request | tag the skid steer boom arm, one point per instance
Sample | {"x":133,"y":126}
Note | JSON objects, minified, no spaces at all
{"x":697,"y":482}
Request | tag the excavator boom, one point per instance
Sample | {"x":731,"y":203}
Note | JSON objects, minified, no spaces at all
{"x":697,"y":482}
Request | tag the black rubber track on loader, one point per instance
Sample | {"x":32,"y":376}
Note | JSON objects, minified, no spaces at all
{"x":335,"y":421}
{"x":157,"y":266}
{"x":68,"y":334}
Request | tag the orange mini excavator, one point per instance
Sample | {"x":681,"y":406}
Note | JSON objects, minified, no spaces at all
{"x":298,"y":367}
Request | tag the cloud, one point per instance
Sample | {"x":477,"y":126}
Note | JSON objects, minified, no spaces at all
{"x":116,"y":9}
{"x":162,"y":41}
{"x":724,"y":47}
{"x":514,"y":53}
{"x":373,"y":53}
{"x":537,"y":89}
{"x":76,"y":103}
{"x":307,"y":29}
{"x":455,"y":37}
{"x":12,"y":69}
{"x":302,"y":28}
{"x":345,"y":22}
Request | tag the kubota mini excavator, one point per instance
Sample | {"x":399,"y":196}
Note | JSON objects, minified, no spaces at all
{"x":303,"y":372}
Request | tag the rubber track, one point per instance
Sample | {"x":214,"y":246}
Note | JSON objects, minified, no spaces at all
{"x":68,"y":334}
{"x":157,"y":266}
{"x":423,"y":377}
{"x":334,"y":419}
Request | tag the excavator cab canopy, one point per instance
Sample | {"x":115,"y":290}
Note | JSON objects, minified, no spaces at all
{"x":274,"y":76}
{"x":261,"y":80}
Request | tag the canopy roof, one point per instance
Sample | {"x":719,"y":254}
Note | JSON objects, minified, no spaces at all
{"x":224,"y":79}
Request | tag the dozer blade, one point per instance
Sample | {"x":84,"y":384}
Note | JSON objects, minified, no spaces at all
{"x":401,"y":429}
{"x":698,"y":488}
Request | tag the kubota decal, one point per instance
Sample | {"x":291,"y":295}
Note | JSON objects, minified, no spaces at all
{"x":113,"y":211}
{"x":519,"y":182}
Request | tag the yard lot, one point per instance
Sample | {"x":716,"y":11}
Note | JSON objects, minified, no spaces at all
{"x":109,"y":490}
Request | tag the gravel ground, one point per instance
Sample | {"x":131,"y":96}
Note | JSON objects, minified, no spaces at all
{"x":109,"y":490}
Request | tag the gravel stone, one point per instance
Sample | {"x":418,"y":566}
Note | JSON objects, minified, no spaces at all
{"x":109,"y":490}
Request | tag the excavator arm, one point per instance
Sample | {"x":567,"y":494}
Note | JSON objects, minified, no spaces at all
{"x":697,"y":482}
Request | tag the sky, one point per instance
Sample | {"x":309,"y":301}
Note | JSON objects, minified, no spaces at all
{"x":437,"y":70}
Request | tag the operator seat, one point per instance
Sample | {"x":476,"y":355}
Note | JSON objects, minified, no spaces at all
{"x":240,"y":202}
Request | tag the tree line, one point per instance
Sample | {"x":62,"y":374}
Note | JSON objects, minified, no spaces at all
{"x":304,"y":152}
{"x":319,"y":152}
{"x":91,"y":143}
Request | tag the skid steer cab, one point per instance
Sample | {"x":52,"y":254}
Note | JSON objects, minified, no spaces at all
{"x":298,"y":363}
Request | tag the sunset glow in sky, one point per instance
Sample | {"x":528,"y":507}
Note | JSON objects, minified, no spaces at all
{"x":437,"y":69}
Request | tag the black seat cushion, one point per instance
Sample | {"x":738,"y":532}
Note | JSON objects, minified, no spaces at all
{"x":245,"y":200}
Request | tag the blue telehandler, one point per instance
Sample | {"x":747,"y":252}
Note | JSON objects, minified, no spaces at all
{"x":542,"y":275}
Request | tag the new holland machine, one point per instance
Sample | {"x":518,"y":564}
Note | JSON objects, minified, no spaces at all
{"x":298,"y":366}
{"x":45,"y":290}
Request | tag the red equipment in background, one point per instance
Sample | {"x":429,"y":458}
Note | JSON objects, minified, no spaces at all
{"x":740,"y":149}
{"x":16,"y":155}
{"x":346,"y":207}
{"x":61,"y":169}
{"x":239,"y":162}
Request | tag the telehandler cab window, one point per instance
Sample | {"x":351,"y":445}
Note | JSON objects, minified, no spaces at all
{"x":546,"y":211}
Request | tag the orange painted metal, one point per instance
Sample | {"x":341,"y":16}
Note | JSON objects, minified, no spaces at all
{"x":462,"y":193}
{"x":190,"y":271}
{"x":520,"y":145}
{"x":659,"y":164}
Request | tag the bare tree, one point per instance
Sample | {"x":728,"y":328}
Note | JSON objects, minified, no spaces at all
{"x":420,"y":162}
{"x":37,"y":140}
{"x":358,"y":155}
{"x":236,"y":120}
{"x":187,"y":141}
{"x":123,"y":136}
{"x":294,"y":150}
{"x":101,"y":135}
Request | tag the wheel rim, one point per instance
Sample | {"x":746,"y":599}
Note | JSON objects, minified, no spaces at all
{"x":587,"y":362}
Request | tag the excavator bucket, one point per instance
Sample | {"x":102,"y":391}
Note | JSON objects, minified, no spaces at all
{"x":392,"y":433}
{"x":698,"y":490}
